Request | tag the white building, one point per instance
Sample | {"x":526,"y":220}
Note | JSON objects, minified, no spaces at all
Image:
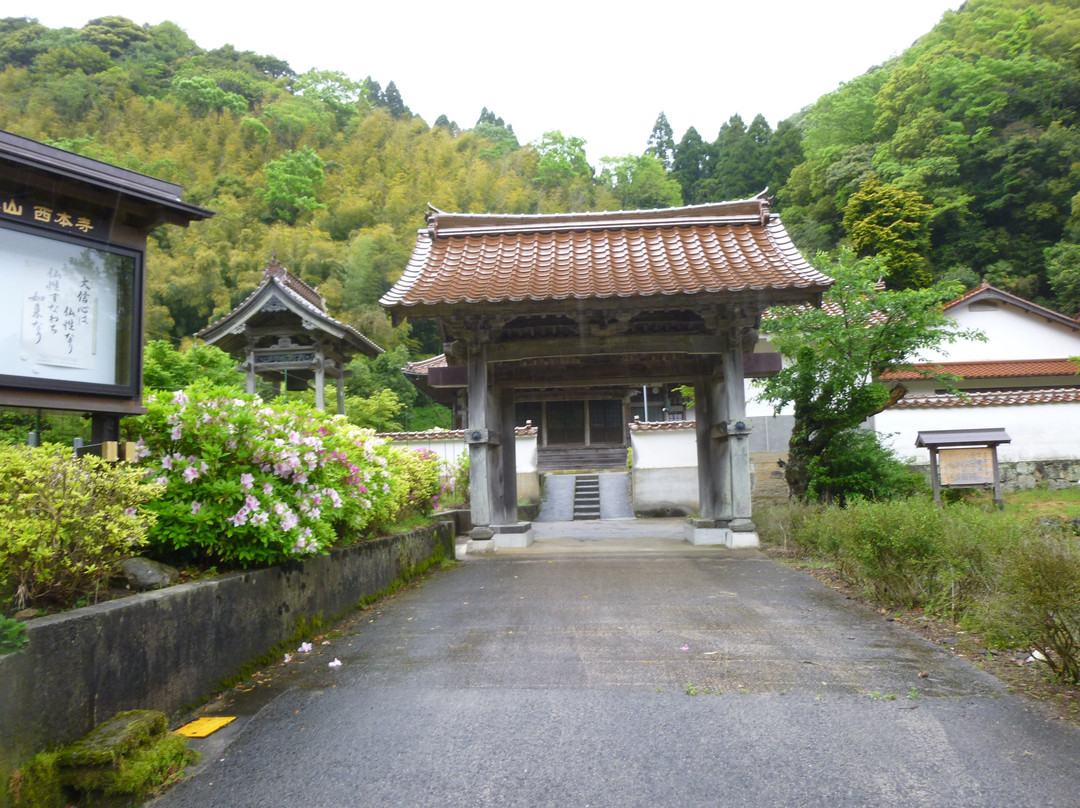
{"x":1020,"y":378}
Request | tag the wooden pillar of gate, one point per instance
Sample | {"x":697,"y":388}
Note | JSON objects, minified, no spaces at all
{"x":490,"y":436}
{"x":723,"y":450}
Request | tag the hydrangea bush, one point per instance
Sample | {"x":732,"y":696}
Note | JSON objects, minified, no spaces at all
{"x":252,"y":483}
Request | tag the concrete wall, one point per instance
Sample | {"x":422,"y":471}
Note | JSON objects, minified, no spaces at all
{"x":169,"y":649}
{"x":664,"y":477}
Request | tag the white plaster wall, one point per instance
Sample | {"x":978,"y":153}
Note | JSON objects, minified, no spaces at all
{"x":1010,"y":334}
{"x":450,"y":449}
{"x":1038,"y":431}
{"x":664,"y":448}
{"x":525,"y":454}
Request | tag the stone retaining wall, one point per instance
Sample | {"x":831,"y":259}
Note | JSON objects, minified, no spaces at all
{"x":1027,"y":474}
{"x":171,"y":648}
{"x":1024,"y":475}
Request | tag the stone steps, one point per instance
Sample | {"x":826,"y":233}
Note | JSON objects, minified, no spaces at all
{"x":586,"y":496}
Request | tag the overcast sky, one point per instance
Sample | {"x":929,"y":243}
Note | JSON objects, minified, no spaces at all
{"x":601,"y":71}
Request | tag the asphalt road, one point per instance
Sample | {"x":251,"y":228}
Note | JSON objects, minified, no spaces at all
{"x":578,"y":673}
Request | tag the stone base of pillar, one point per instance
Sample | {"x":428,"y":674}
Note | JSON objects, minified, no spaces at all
{"x":478,"y":541}
{"x":736,"y":534}
{"x":519,"y":534}
{"x":473,"y":547}
{"x":743,"y":538}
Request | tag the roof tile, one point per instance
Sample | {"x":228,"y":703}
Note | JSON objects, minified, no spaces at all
{"x":712,"y":248}
{"x":1000,"y":369}
{"x":1060,"y":395}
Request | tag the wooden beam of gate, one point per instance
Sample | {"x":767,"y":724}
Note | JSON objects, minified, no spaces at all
{"x":606,"y":346}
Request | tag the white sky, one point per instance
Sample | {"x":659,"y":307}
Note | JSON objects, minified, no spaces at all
{"x":601,"y":71}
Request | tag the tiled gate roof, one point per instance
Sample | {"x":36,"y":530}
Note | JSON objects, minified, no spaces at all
{"x":725,"y":247}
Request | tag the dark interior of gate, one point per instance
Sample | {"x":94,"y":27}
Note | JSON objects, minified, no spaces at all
{"x":553,"y":318}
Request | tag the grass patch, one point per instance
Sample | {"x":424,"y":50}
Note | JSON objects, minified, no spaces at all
{"x":1061,"y":503}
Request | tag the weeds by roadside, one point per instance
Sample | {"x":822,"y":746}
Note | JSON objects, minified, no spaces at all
{"x":1001,"y":589}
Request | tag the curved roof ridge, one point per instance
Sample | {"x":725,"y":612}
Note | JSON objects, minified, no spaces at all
{"x":755,"y":210}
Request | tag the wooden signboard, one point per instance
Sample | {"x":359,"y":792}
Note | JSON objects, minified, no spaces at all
{"x":963,"y":468}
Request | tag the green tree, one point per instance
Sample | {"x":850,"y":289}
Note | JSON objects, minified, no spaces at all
{"x":332,"y":88}
{"x":640,"y":183}
{"x":166,"y":368}
{"x":114,"y":35}
{"x":380,"y":411}
{"x":662,"y":142}
{"x":203,"y":96}
{"x":837,"y":353}
{"x":292,"y":184}
{"x":691,"y":164}
{"x":21,"y":41}
{"x":501,"y":134}
{"x":1063,"y":272}
{"x":370,"y":376}
{"x":890,"y":222}
{"x":393,"y":102}
{"x":562,"y":159}
{"x":784,"y":153}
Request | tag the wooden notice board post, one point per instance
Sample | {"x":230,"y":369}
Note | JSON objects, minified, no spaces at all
{"x":964,"y":458}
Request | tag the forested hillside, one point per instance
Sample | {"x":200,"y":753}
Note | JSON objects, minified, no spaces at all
{"x":959,"y":158}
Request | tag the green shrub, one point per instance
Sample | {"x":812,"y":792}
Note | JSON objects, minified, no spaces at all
{"x":68,"y":523}
{"x":784,"y":525}
{"x":857,"y":465}
{"x":415,"y":481}
{"x":912,"y":552}
{"x":1037,"y":600}
{"x":12,"y":635}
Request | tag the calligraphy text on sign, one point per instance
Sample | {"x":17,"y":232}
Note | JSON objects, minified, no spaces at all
{"x":960,"y":467}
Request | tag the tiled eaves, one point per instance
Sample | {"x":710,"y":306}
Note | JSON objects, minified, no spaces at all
{"x":658,"y":426}
{"x":1000,"y":369}
{"x":422,"y":366}
{"x":602,"y":264}
{"x":1062,"y":395}
{"x":447,"y":434}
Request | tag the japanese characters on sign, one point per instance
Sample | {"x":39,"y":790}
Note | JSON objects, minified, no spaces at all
{"x":58,"y":318}
{"x":966,"y":467}
{"x":54,"y":217}
{"x":68,"y":305}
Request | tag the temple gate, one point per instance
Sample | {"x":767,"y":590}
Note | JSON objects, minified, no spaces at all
{"x":550,"y":305}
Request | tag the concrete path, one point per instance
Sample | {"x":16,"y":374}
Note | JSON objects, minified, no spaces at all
{"x":658,"y":674}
